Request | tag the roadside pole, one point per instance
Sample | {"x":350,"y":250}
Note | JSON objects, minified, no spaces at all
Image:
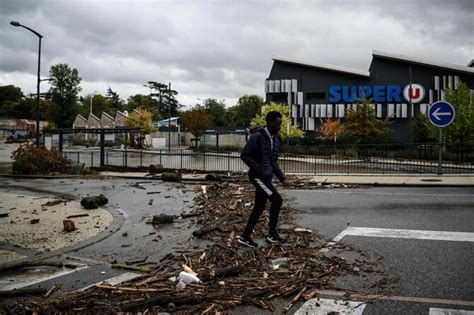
{"x":440,"y":150}
{"x":441,"y":114}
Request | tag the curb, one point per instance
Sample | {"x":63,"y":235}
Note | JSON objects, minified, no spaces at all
{"x":116,"y":224}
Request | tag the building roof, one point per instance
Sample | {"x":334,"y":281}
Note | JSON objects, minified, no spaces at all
{"x":325,"y":67}
{"x":81,"y":117}
{"x":424,"y":62}
{"x":121,"y":114}
{"x":107,"y":115}
{"x":93,"y":117}
{"x":173,"y":121}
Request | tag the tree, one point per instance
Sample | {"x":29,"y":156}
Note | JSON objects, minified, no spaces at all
{"x":294,"y":131}
{"x":423,"y":130}
{"x":246,"y":108}
{"x":143,"y":119}
{"x":24,"y":108}
{"x":462,"y":128}
{"x":144,"y":101}
{"x":163,"y":98}
{"x":10,"y":93}
{"x":330,"y":129}
{"x":216,"y":111}
{"x":100,"y":104}
{"x":195,"y":120}
{"x":116,"y":102}
{"x":63,"y":94}
{"x":362,"y":124}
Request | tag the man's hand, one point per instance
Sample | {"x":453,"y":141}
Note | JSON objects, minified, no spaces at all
{"x":285,"y":184}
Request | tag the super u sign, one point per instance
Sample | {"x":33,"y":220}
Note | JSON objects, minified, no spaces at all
{"x":414,"y":93}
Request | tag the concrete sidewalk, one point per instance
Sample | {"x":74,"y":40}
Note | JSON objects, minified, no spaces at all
{"x":393,"y":180}
{"x":30,"y":226}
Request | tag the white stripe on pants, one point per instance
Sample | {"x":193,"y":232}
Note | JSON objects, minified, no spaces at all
{"x":262,"y":185}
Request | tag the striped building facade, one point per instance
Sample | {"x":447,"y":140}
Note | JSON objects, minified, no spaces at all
{"x":400,"y":88}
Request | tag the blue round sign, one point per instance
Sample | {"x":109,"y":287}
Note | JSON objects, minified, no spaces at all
{"x":441,"y":114}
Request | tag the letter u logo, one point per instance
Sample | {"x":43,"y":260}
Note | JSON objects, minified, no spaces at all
{"x":414,"y":93}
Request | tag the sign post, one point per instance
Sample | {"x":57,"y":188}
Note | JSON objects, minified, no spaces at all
{"x":441,"y":114}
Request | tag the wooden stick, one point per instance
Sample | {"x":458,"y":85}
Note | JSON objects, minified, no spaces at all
{"x":296,"y":298}
{"x":109,"y":287}
{"x":19,"y":292}
{"x":134,"y":268}
{"x":51,"y":290}
{"x":77,"y":216}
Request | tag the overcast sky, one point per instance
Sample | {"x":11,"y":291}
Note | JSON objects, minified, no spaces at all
{"x":220,"y":49}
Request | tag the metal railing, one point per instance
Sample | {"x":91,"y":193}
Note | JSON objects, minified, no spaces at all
{"x":368,"y":159}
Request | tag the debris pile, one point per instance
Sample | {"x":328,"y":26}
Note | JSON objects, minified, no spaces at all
{"x":226,"y":274}
{"x":223,"y":207}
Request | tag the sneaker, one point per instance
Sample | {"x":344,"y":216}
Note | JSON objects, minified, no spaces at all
{"x":246,"y":241}
{"x":273,"y":238}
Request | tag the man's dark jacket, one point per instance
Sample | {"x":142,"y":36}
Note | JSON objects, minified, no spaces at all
{"x":259,"y":156}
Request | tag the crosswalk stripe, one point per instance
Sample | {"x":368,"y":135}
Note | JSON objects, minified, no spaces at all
{"x":328,"y":306}
{"x":127,"y":276}
{"x":446,"y":311}
{"x":35,"y":279}
{"x":410,"y":234}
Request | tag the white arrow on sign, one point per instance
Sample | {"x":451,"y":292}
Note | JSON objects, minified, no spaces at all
{"x":436,"y":113}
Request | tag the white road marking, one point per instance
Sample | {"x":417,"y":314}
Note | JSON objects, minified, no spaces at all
{"x":33,"y":279}
{"x":127,"y":276}
{"x":326,"y":306}
{"x":411,"y":234}
{"x":446,"y":311}
{"x":370,"y":297}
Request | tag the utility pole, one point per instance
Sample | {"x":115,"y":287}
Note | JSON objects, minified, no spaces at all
{"x":169,"y":116}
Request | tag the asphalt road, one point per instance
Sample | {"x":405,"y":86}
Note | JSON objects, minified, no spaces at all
{"x":134,"y":240}
{"x":428,"y":271}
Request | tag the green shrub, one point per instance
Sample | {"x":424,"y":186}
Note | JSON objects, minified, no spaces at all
{"x":32,"y":160}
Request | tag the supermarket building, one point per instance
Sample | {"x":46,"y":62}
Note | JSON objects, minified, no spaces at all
{"x":400,"y":87}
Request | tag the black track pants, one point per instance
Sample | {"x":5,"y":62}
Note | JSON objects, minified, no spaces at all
{"x":264,"y":190}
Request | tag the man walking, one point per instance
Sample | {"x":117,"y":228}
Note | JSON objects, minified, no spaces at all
{"x":261,"y":155}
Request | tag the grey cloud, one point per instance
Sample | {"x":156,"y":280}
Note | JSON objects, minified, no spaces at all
{"x":224,"y":48}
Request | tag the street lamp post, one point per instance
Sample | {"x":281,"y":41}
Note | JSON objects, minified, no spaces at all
{"x":169,"y":116}
{"x":17,"y":24}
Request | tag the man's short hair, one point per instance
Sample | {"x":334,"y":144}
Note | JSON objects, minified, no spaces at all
{"x":272,"y":116}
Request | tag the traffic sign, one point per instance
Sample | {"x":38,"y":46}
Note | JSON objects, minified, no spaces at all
{"x":441,"y":114}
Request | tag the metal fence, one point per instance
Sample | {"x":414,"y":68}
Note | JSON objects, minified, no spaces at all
{"x":369,"y":159}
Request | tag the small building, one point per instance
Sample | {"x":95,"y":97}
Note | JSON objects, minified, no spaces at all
{"x":79,"y":122}
{"x":92,"y":122}
{"x":107,"y":121}
{"x":121,"y":119}
{"x":27,"y":125}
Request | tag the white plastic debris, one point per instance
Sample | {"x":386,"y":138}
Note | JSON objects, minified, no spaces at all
{"x":275,"y":264}
{"x":172,"y":279}
{"x":188,"y":278}
{"x":180,"y":286}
